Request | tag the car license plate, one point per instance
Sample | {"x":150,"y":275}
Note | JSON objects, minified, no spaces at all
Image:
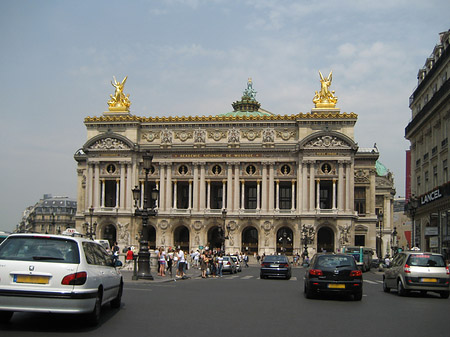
{"x":34,"y":279}
{"x":431,"y":280}
{"x":274,"y":265}
{"x":336,"y":286}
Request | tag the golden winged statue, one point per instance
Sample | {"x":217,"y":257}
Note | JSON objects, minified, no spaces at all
{"x":325,"y":98}
{"x":118,"y":101}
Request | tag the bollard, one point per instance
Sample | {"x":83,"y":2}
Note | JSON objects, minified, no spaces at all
{"x":135,"y":277}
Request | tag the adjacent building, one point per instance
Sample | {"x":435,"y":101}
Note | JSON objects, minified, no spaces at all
{"x":429,"y":200}
{"x":50,"y":215}
{"x":247,"y":180}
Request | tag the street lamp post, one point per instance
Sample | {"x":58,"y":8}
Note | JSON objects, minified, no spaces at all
{"x":90,"y":228}
{"x":380,"y":227}
{"x":145,"y":212}
{"x":394,"y":242}
{"x":307,"y":238}
{"x":411,"y":208}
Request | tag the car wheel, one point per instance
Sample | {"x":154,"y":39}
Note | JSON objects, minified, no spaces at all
{"x":5,"y":316}
{"x":423,"y":292}
{"x":308,"y":292}
{"x":93,"y":318}
{"x":261,"y":276}
{"x":401,"y":291}
{"x":358,"y":296}
{"x":444,"y":294}
{"x":288,"y":276}
{"x":115,"y":303}
{"x":386,"y":289}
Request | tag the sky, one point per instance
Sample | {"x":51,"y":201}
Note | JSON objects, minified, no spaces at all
{"x":193,"y":57}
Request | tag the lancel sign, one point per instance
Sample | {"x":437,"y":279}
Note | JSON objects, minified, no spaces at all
{"x":429,"y":197}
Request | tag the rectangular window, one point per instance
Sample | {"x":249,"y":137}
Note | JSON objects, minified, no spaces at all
{"x":445,"y":171}
{"x":250,"y":194}
{"x":360,"y":200}
{"x":285,"y":195}
{"x":425,"y":157}
{"x":182,"y":195}
{"x":435,"y":176}
{"x":110,"y":193}
{"x":216,"y":195}
{"x":360,"y":240}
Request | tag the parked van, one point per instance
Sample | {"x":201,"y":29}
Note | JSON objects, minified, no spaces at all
{"x":105,"y":244}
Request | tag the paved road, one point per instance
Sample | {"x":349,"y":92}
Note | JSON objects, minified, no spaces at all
{"x":243,"y":305}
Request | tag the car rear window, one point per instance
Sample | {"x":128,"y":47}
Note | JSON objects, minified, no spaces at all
{"x":426,"y":260}
{"x":334,"y":261}
{"x":44,"y":249}
{"x":274,"y":258}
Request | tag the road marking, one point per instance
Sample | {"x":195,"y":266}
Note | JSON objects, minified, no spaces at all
{"x":247,"y":277}
{"x":371,"y":282}
{"x":293,"y":278}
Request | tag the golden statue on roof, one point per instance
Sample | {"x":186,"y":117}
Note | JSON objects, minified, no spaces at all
{"x":325,"y":98}
{"x":118,"y":101}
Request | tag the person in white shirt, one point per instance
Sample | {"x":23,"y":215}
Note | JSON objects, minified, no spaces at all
{"x":181,"y":262}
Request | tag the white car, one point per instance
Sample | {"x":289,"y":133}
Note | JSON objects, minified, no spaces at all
{"x":57,"y":274}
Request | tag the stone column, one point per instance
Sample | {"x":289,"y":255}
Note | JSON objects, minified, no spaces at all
{"x":202,"y":187}
{"x":128,"y":188}
{"x":334,"y":193}
{"x":169,"y":187}
{"x":271,"y":187}
{"x":371,"y":205}
{"x":312,"y":189}
{"x":264,"y":193}
{"x":299,"y":187}
{"x":121,"y":190}
{"x":341,"y":186}
{"x":258,"y":197}
{"x":208,"y":195}
{"x":224,"y":185}
{"x":175,"y":194}
{"x":229,"y":204}
{"x":96,"y":186}
{"x":159,"y":193}
{"x":102,"y":189}
{"x":236,"y":186}
{"x":352,"y":186}
{"x":142,"y":188}
{"x":195,"y":188}
{"x":347,"y":187}
{"x":162,"y":190}
{"x":305,"y":187}
{"x":89,"y":187}
{"x":293,"y":196}
{"x":318,"y":194}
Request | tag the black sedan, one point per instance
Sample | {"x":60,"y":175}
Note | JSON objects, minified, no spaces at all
{"x":275,"y":266}
{"x":333,"y":273}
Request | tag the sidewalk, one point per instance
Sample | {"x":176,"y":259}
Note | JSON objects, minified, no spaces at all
{"x":190,"y":273}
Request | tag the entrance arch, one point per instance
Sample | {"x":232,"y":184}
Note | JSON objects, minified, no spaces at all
{"x":109,"y":233}
{"x":181,"y":238}
{"x":215,"y":237}
{"x":285,"y":241}
{"x":250,"y":240}
{"x":325,"y":240}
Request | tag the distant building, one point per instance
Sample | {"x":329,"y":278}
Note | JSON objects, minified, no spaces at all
{"x":50,"y":215}
{"x":402,"y":224}
{"x":247,"y":180}
{"x":428,"y":132}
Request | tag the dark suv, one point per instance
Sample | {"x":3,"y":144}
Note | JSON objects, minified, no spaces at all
{"x":333,"y":273}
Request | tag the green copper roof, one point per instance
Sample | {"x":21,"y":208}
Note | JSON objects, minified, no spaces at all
{"x":258,"y":113}
{"x":381,"y":169}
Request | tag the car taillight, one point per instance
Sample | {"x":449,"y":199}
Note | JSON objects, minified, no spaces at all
{"x":315,"y":272}
{"x":228,"y":263}
{"x":284,"y":265}
{"x":407,"y":269}
{"x":264,"y":264}
{"x":356,"y":273}
{"x":448,"y":272}
{"x":76,"y":279}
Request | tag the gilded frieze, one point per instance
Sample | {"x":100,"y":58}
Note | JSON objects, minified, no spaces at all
{"x":217,"y":135}
{"x":150,"y":136}
{"x":285,"y":134}
{"x":251,"y":134}
{"x":183,"y":135}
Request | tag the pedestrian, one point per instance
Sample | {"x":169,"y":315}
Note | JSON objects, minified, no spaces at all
{"x":181,"y":262}
{"x":162,"y":262}
{"x":115,"y":251}
{"x":220,"y":264}
{"x":246,"y":260}
{"x":170,"y":260}
{"x":203,"y":264}
{"x":129,"y":259}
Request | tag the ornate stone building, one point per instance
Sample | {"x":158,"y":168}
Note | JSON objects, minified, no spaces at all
{"x":257,"y":176}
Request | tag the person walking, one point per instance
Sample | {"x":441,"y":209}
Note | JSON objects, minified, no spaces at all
{"x":220,"y":264}
{"x":203,"y":264}
{"x":181,"y":262}
{"x":170,"y":261}
{"x":162,"y":262}
{"x":129,"y":259}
